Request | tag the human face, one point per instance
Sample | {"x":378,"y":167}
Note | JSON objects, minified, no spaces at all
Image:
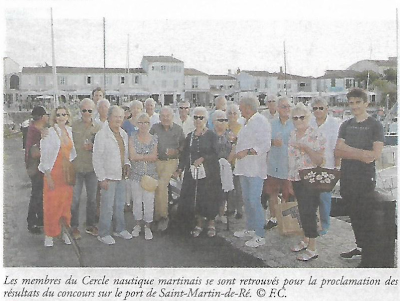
{"x":166,"y":118}
{"x":87,"y":112}
{"x":233,"y":116}
{"x":300,"y":120}
{"x":61,"y":117}
{"x":199,"y":120}
{"x":98,"y":95}
{"x":184,"y":110}
{"x":284,"y":109}
{"x":244,"y":110}
{"x":143,"y":125}
{"x":318,"y":113}
{"x":221,"y":123}
{"x":221,"y":105}
{"x":136,"y":110}
{"x":103,"y":110}
{"x":150,"y":108}
{"x":358,"y":106}
{"x":116,"y":119}
{"x":271,"y":104}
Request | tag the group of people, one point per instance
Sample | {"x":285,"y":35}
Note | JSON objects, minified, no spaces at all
{"x":228,"y":158}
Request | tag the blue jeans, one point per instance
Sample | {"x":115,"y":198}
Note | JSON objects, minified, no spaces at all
{"x":114,"y":195}
{"x":90,"y":180}
{"x":251,"y":191}
{"x":325,"y":209}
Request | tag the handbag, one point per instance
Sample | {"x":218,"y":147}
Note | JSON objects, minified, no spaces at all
{"x":148,"y":183}
{"x":198,"y":173}
{"x":320,"y":179}
{"x":68,"y":168}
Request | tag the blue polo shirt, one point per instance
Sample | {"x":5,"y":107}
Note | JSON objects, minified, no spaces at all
{"x":278,"y":158}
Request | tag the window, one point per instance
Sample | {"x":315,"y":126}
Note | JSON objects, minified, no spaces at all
{"x":152,"y":67}
{"x":88,"y":80}
{"x":122,"y":80}
{"x":164,"y":84}
{"x":349,"y":83}
{"x":40,"y":80}
{"x":163,"y":68}
{"x":136,"y":79}
{"x":175,"y":83}
{"x":258,"y":83}
{"x":302,"y":84}
{"x":266,"y":84}
{"x":333,"y":82}
{"x":195,"y":82}
{"x":62,"y":80}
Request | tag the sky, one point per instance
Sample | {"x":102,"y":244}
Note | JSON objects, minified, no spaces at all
{"x":211,"y":36}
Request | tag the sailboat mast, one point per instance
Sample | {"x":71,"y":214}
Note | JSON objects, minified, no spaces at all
{"x":284,"y":59}
{"x":127,"y":56}
{"x":53,"y":58}
{"x":104,"y":52}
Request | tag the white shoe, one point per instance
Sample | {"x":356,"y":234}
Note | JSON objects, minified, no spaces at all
{"x":255,"y":242}
{"x":224,"y":219}
{"x":108,"y":240}
{"x":136,"y":231}
{"x":147,"y":233}
{"x":244,"y":233}
{"x":48,"y":241}
{"x":66,"y":239}
{"x":124,"y":234}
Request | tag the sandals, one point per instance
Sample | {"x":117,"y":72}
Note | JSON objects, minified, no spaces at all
{"x":299,"y":247}
{"x":308,"y":255}
{"x":196,"y":231}
{"x":211,"y":231}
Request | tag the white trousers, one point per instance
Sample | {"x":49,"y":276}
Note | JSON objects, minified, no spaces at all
{"x":142,"y":199}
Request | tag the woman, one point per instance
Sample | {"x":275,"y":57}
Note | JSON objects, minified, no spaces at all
{"x":306,"y":150}
{"x":234,"y":127}
{"x":224,"y":150}
{"x":200,"y":151}
{"x":57,"y":194}
{"x":143,"y":155}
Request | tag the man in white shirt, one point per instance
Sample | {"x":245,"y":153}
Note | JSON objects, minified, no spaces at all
{"x":150,"y":105}
{"x":329,"y":127}
{"x":271,"y":112}
{"x":183,"y":119}
{"x":253,"y":144}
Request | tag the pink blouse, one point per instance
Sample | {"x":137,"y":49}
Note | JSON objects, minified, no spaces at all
{"x":300,"y":160}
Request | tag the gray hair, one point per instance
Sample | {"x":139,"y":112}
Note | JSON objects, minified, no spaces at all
{"x":103,"y":101}
{"x":218,"y":114}
{"x":251,"y":102}
{"x":143,"y":115}
{"x":136,"y":103}
{"x":150,"y":100}
{"x":233,"y":108}
{"x":320,"y":100}
{"x":111,"y":110}
{"x":300,"y":108}
{"x":202,"y":110}
{"x":219,"y":100}
{"x":167,"y":108}
{"x":282,"y":99}
{"x":86,"y":101}
{"x":184,"y":101}
{"x":271,"y":97}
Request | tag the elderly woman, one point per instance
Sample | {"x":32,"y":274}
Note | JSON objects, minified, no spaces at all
{"x":224,"y":150}
{"x":143,"y":155}
{"x":57,"y":194}
{"x":200,"y":150}
{"x":306,"y":150}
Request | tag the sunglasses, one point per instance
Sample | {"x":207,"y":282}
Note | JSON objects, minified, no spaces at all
{"x":84,"y":111}
{"x":184,"y":108}
{"x":63,"y":114}
{"x":143,"y":122}
{"x":222,"y":120}
{"x":318,"y":108}
{"x":298,"y":117}
{"x":198,"y":117}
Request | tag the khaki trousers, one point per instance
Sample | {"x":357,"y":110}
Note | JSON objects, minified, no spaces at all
{"x":165,"y":169}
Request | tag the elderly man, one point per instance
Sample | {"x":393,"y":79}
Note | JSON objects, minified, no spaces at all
{"x":360,"y":143}
{"x":170,"y":143}
{"x":271,"y":113}
{"x":102,"y":109}
{"x":32,"y":157}
{"x":183,"y":119}
{"x":111,"y":165}
{"x":253,"y":144}
{"x":150,"y":105}
{"x":329,"y":127}
{"x":220,"y":104}
{"x":278,"y":160}
{"x":83,"y":132}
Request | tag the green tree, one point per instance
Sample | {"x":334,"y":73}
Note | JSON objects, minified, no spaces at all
{"x":390,"y":75}
{"x":362,"y":77}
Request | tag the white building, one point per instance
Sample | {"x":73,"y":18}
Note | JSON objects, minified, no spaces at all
{"x":225,"y":85}
{"x":11,"y":80}
{"x":197,"y":87}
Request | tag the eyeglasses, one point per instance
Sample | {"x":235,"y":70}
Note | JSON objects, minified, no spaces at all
{"x":84,"y":111}
{"x":184,"y":108}
{"x":298,"y":117}
{"x":271,"y":100}
{"x":126,"y":109}
{"x":143,"y":122}
{"x":222,"y":120}
{"x":63,"y":114}
{"x":318,"y":108}
{"x":285,"y":107}
{"x":198,"y":117}
{"x":232,"y":113}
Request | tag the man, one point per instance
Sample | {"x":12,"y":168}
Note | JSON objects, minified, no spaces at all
{"x":102,"y":111}
{"x":83,"y":132}
{"x":150,"y":105}
{"x":271,"y":113}
{"x":278,"y":160}
{"x":329,"y":127}
{"x":111,"y":165}
{"x":170,"y":144}
{"x":360,"y":143}
{"x":40,"y":120}
{"x":254,"y":141}
{"x":183,"y":119}
{"x":220,"y":104}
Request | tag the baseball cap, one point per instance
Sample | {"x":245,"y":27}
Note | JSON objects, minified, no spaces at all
{"x":39,"y":111}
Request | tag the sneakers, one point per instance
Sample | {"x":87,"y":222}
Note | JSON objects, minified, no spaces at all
{"x":147,"y":233}
{"x":163,"y":224}
{"x":124,"y":234}
{"x":48,"y":241}
{"x":136,"y":231}
{"x":255,"y":242}
{"x":92,"y":230}
{"x":308,"y":255}
{"x":271,"y":224}
{"x":351,"y":254}
{"x":244,"y":233}
{"x":108,"y":240}
{"x":76,"y":233}
{"x":66,"y":239}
